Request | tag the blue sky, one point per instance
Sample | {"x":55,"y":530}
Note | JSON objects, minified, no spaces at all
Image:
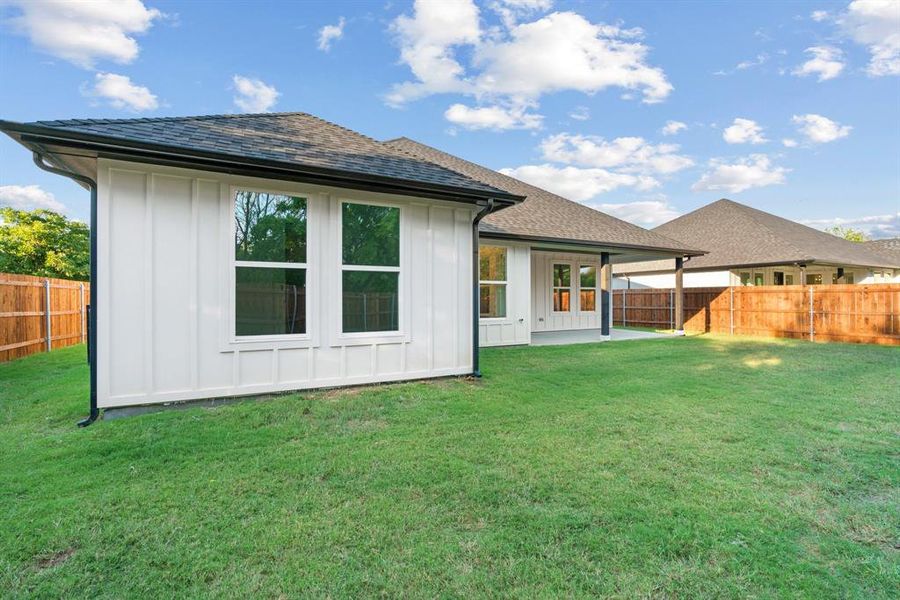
{"x":793,"y":108}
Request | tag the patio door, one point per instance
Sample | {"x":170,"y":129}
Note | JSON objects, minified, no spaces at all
{"x":565,"y":292}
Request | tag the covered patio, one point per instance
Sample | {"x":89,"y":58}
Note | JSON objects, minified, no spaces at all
{"x":589,"y":336}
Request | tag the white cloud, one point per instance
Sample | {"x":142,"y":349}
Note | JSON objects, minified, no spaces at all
{"x":626,"y":154}
{"x":511,"y":11}
{"x":744,"y":131}
{"x":820,"y":130}
{"x":253,"y":95}
{"x":329,"y":34}
{"x":673,"y":127}
{"x":759,"y":60}
{"x":646,"y":213}
{"x":876,"y":226}
{"x":819,"y":15}
{"x":752,"y":171}
{"x":876,"y":25}
{"x":496,"y":118}
{"x":121,"y":93}
{"x":85,"y":32}
{"x":578,"y":184}
{"x":789,"y":143}
{"x":29,"y":197}
{"x":518,"y":64}
{"x":827,"y":62}
{"x":580,"y":113}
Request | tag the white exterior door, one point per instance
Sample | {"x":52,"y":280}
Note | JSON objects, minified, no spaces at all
{"x":565,"y":291}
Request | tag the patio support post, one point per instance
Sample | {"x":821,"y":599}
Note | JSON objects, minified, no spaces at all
{"x":679,"y":295}
{"x":605,"y":287}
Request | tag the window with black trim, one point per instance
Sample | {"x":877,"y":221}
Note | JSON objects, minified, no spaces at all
{"x":269,"y":263}
{"x":492,"y":285}
{"x":370,"y":253}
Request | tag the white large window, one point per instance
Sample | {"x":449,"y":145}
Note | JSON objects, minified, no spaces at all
{"x":492,"y":289}
{"x":270,"y":264}
{"x":370,"y":282}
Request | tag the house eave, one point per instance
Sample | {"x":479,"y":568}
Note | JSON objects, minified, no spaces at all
{"x":594,"y":246}
{"x":126,"y":149}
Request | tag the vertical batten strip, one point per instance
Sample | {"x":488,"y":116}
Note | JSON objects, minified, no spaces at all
{"x":194,"y":283}
{"x":149,"y":189}
{"x":429,"y":287}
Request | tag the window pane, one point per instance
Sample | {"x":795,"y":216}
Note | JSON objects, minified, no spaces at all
{"x":588,"y":300}
{"x":371,"y":235}
{"x":493,"y":263}
{"x":370,"y":301}
{"x":269,"y":227}
{"x":848,"y":278}
{"x":270,"y":301}
{"x":588,"y":277}
{"x":493,"y":300}
{"x":745,"y":278}
{"x":778,"y":278}
{"x":814,"y":279}
{"x":757,"y":279}
{"x":562,"y":275}
{"x":788,"y":280}
{"x":561,"y":299}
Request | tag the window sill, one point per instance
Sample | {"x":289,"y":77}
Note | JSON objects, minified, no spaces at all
{"x":272,"y":342}
{"x":370,"y":338}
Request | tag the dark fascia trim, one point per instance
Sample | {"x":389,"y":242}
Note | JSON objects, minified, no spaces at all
{"x":112,"y":147}
{"x":782,"y":263}
{"x":551,"y":240}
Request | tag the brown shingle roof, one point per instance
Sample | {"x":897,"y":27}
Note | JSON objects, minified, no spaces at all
{"x":288,"y":139}
{"x":738,"y":235}
{"x":543,"y":214}
{"x":889,"y":248}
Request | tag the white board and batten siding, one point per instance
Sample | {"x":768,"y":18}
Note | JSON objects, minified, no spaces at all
{"x":514,"y":328}
{"x":165,"y":287}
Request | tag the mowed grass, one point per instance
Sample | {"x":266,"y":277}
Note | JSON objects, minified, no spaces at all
{"x":695,"y":467}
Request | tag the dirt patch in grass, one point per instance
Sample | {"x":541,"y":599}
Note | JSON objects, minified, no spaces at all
{"x":55,"y":559}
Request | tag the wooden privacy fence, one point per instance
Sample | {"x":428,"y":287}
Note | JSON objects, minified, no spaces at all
{"x":840,"y":313}
{"x":38,"y":314}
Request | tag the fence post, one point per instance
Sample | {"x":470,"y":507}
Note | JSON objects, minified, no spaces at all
{"x":672,"y":309}
{"x":731,"y":310}
{"x":81,"y":322}
{"x":47,"y":314}
{"x":812,"y":329}
{"x":624,"y":305}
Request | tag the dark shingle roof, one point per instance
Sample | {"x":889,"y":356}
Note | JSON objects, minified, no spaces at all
{"x":889,"y":248}
{"x":543,"y":214}
{"x":738,"y":235}
{"x":297,"y":139}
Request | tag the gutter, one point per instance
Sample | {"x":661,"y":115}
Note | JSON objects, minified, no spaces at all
{"x":574,"y":242}
{"x":92,"y":314}
{"x":476,"y":285}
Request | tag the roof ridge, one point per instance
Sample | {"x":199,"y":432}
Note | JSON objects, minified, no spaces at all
{"x":178,"y":118}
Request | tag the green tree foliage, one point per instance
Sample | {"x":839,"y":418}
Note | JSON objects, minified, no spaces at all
{"x":848,"y":233}
{"x":43,"y":243}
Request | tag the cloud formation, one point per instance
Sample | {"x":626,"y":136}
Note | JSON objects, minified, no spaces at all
{"x":827,"y":62}
{"x":121,"y":93}
{"x":744,"y":131}
{"x":85,"y":32}
{"x":29,"y":197}
{"x":820,"y":130}
{"x":748,"y":172}
{"x":329,"y":34}
{"x":495,"y":118}
{"x":253,"y":95}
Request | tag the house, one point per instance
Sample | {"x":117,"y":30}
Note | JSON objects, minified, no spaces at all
{"x":746,"y":246}
{"x":889,"y":249}
{"x":246,"y":254}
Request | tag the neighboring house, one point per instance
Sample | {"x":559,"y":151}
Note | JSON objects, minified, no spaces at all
{"x":247,"y":254}
{"x":746,"y":246}
{"x":889,"y":249}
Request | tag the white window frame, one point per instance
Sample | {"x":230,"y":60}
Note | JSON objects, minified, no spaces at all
{"x":308,"y":339}
{"x":595,"y":288}
{"x":504,"y":283}
{"x":573,"y":297}
{"x":340,"y":338}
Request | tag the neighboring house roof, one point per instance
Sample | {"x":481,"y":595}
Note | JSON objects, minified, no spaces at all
{"x":290,"y":141}
{"x":736,"y":235}
{"x":889,"y":248}
{"x":543,"y":215}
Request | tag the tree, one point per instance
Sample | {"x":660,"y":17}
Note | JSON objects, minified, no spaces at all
{"x":43,"y":243}
{"x":848,"y":233}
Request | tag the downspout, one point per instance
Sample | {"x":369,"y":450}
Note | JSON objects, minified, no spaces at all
{"x":92,"y":315}
{"x":476,"y":297}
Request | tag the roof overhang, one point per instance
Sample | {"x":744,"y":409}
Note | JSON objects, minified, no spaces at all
{"x":728,"y":267}
{"x":620,"y":252}
{"x":58,"y":144}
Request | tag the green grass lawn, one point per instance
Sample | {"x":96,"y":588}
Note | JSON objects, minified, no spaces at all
{"x":693,"y":467}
